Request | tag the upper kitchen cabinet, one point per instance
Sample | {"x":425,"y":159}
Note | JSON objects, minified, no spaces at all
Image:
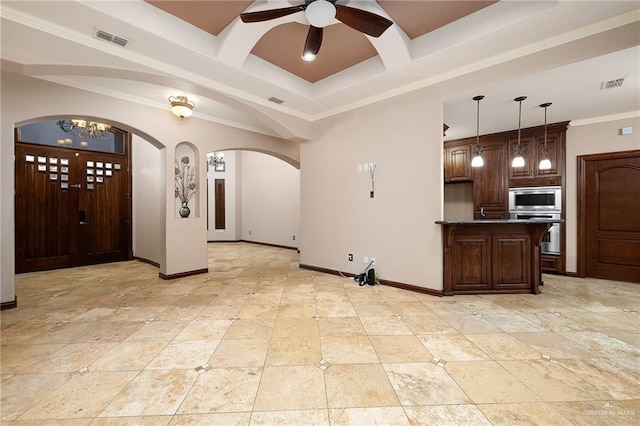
{"x":457,"y":163}
{"x":490,"y":183}
{"x":532,"y":140}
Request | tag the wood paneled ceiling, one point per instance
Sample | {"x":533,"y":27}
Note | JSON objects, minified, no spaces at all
{"x":342,"y":46}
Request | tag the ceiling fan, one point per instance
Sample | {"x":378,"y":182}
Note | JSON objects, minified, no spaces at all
{"x":321,"y":13}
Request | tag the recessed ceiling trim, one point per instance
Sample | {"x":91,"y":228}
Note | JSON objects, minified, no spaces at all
{"x":605,"y":118}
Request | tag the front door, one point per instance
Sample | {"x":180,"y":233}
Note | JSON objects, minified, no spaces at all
{"x":609,"y":206}
{"x":72,"y":207}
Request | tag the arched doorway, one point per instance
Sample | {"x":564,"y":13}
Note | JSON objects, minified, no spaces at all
{"x":73,"y":194}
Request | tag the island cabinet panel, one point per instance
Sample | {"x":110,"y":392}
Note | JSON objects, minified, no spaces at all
{"x":472,"y":253}
{"x":492,"y":256}
{"x":511,"y":266}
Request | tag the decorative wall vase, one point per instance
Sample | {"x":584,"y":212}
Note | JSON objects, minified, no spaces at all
{"x":184,"y":211}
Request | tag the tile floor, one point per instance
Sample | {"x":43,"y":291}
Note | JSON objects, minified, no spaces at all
{"x":259,"y":341}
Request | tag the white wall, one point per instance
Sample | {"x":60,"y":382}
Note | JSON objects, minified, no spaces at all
{"x":584,"y":140}
{"x":231,"y":200}
{"x":403,"y":136}
{"x":270,"y":200}
{"x":148,"y":199}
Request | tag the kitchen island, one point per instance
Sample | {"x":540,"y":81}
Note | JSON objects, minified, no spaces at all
{"x":493,"y":255}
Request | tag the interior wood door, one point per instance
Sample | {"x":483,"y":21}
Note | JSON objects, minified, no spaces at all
{"x":609,"y":206}
{"x":72,"y":208}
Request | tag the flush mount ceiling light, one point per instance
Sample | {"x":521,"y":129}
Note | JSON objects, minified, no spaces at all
{"x":181,"y":106}
{"x":477,"y":160}
{"x":545,"y":162}
{"x":518,"y":160}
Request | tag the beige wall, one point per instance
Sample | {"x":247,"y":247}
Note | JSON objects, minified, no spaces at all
{"x":591,"y":139}
{"x":24,"y":99}
{"x":403,"y":137}
{"x":270,"y":200}
{"x":148,"y":199}
{"x":458,"y":201}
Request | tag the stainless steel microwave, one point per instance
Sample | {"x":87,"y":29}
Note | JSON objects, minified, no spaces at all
{"x":541,"y":198}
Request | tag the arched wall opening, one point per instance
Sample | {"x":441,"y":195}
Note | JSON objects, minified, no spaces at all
{"x":253,"y":196}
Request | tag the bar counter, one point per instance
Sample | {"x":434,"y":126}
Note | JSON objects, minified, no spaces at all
{"x":493,"y":255}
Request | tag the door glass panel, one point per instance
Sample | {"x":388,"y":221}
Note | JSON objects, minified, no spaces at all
{"x":76,"y":134}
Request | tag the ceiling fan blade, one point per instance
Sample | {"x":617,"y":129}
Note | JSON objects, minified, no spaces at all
{"x":313,"y":42}
{"x":265,"y":15}
{"x":362,"y":20}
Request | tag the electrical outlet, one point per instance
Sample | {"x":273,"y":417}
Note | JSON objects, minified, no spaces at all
{"x":294,"y":238}
{"x":350,"y":257}
{"x":365,"y":259}
{"x":359,"y":168}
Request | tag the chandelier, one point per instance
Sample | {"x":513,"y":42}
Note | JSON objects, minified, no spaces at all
{"x":86,"y":129}
{"x":181,"y":106}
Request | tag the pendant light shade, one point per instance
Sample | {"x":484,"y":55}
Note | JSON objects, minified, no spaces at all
{"x":477,"y":160}
{"x":545,"y":162}
{"x":518,"y":160}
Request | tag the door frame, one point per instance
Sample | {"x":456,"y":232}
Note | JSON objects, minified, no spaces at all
{"x":581,"y":188}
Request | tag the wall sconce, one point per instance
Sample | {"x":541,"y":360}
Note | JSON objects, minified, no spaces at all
{"x":216,"y":160}
{"x":518,"y":160}
{"x":181,"y":106}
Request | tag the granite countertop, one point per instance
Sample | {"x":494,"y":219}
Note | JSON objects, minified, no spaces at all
{"x":496,"y":221}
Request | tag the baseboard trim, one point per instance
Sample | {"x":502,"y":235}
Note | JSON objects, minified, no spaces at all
{"x":403,"y":286}
{"x":572,"y":274}
{"x":257,"y":242}
{"x":183,"y":274}
{"x":9,"y":305}
{"x":150,"y":262}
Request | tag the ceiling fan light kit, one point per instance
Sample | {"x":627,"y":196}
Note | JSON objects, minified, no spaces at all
{"x":321,"y":13}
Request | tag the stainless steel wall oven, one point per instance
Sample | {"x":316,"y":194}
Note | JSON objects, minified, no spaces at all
{"x":539,"y":203}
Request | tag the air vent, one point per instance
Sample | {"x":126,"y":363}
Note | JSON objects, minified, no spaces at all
{"x":103,"y":35}
{"x":276,"y":100}
{"x":612,"y":84}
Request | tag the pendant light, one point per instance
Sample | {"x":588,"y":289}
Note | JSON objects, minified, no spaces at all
{"x":545,"y":162}
{"x":518,"y":160}
{"x":477,"y":160}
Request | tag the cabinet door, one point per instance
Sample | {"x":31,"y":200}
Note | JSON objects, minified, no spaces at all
{"x":554,"y":151}
{"x":457,"y":160}
{"x":471,"y":263}
{"x":511,"y":262}
{"x":490,"y":182}
{"x":529,"y":155}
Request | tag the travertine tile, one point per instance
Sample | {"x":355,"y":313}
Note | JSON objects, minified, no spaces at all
{"x":359,"y":385}
{"x":532,"y":414}
{"x":19,"y":393}
{"x":80,"y":397}
{"x":473,"y":377}
{"x":424,"y":384}
{"x":452,"y":347}
{"x":291,"y":388}
{"x":152,"y":393}
{"x":551,"y":381}
{"x":400,"y":349}
{"x":369,"y":416}
{"x":258,"y":333}
{"x":290,"y":418}
{"x":240,"y":353}
{"x":446,"y":415}
{"x":223,"y":390}
{"x":348,"y":350}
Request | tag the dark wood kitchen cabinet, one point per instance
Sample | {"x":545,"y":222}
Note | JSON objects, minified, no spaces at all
{"x":457,"y":163}
{"x":491,"y":183}
{"x":533,"y":144}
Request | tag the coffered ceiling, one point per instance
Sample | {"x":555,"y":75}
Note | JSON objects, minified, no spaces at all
{"x":549,"y":50}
